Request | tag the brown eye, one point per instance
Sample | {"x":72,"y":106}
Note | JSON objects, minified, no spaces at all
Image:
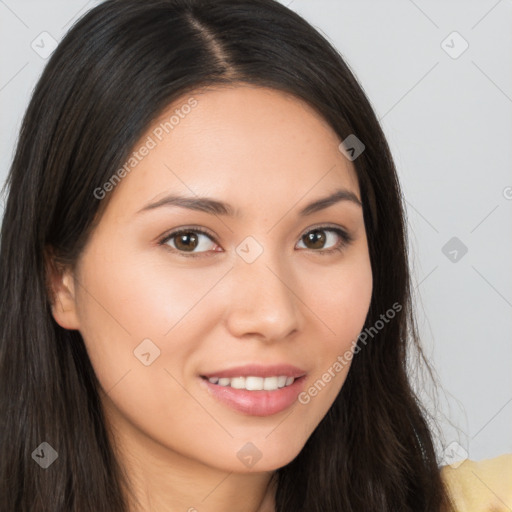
{"x":314,"y":239}
{"x":186,"y":241}
{"x":189,"y":241}
{"x":325,"y":240}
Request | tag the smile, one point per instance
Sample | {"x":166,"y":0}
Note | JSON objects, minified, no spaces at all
{"x":253,"y":383}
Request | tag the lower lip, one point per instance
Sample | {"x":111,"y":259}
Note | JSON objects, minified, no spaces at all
{"x":257,"y":403}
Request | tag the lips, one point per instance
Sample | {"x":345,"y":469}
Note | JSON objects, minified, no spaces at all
{"x":251,"y":399}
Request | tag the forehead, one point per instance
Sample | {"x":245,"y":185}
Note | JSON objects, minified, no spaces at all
{"x":238,"y":143}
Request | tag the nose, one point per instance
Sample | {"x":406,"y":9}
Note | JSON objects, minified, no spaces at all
{"x":262,"y":301}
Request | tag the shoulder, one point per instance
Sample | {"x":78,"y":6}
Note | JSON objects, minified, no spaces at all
{"x":480,"y":486}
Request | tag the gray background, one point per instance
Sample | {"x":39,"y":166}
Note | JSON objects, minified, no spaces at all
{"x":447,"y":116}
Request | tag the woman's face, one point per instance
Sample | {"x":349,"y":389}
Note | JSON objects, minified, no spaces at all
{"x":270,"y":283}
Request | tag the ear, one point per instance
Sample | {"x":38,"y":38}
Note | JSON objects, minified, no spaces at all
{"x":61,"y":290}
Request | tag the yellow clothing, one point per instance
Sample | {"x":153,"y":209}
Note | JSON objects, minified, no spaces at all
{"x":480,"y":486}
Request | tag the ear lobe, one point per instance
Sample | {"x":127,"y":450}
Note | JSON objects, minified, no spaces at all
{"x":61,"y":291}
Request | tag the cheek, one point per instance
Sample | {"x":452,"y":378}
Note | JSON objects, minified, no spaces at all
{"x":341,"y":298}
{"x":340,"y":302}
{"x":126,"y":298}
{"x":125,"y":314}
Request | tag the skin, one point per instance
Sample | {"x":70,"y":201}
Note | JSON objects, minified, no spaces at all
{"x":268,"y":154}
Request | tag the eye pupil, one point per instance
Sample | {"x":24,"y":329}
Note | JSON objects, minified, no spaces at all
{"x":316,"y":237}
{"x":186,"y":241}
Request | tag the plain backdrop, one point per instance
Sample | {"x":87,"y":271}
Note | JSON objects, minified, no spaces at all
{"x":439,"y":77}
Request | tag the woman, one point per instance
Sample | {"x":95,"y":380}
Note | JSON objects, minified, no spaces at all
{"x":206,"y":293}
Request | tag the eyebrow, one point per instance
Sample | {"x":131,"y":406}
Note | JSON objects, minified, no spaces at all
{"x":216,"y":207}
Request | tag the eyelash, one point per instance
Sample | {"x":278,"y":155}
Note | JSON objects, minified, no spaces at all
{"x":346,"y":240}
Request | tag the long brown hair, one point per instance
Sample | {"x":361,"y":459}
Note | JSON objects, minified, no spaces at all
{"x":111,"y":75}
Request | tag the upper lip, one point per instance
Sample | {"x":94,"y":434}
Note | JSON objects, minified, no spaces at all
{"x":258,"y":371}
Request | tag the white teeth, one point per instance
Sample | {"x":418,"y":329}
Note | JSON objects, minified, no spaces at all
{"x":254,"y":383}
{"x":270,"y":383}
{"x":281,"y":381}
{"x":238,"y":383}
